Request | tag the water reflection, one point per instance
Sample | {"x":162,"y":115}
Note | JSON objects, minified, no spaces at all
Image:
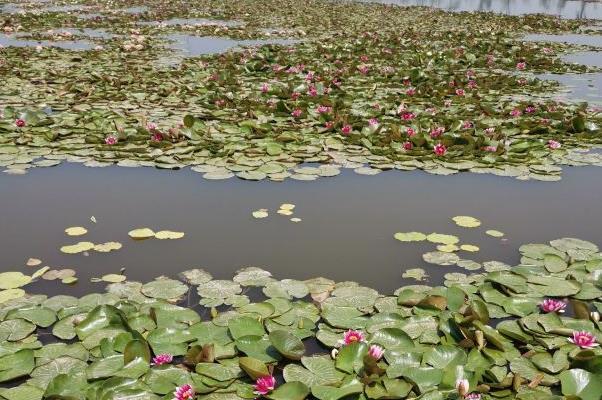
{"x":15,"y":41}
{"x":190,"y":21}
{"x":346,"y":232}
{"x":563,"y":8}
{"x":197,"y":45}
{"x":578,"y":87}
{"x":570,"y":38}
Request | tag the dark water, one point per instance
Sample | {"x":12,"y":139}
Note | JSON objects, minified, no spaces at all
{"x":346,"y":232}
{"x":563,"y":8}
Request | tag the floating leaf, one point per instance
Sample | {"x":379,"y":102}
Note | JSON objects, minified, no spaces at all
{"x":494,"y":233}
{"x":141,"y":233}
{"x":169,"y":235}
{"x":76,"y":231}
{"x":466,"y":222}
{"x":410,"y":236}
{"x":442,"y":238}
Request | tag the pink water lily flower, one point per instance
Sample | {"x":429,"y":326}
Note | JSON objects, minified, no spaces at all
{"x":436,"y":132}
{"x":408,"y":146}
{"x":530,"y":109}
{"x":328,"y":124}
{"x":516,"y":112}
{"x":20,"y":122}
{"x":467,"y":124}
{"x":447,"y":103}
{"x":521,"y":65}
{"x":552,"y":305}
{"x":364,"y":58}
{"x":295,"y":95}
{"x":408,"y":115}
{"x":554,"y":145}
{"x":491,"y":149}
{"x":490,"y":130}
{"x":410,"y":132}
{"x":346,"y":129}
{"x":111,"y":140}
{"x":265,"y":88}
{"x":184,"y":392}
{"x":151,"y":126}
{"x":161,"y":359}
{"x":440,"y":149}
{"x":323,"y":109}
{"x":264,"y":385}
{"x":363,"y":69}
{"x":460,"y":92}
{"x":411,"y":91}
{"x":373,"y":122}
{"x":376,"y":352}
{"x":584,"y":339}
{"x":473,"y":396}
{"x":156,"y":137}
{"x":472,"y":84}
{"x":352,"y":336}
{"x":297,"y":113}
{"x":312,"y":91}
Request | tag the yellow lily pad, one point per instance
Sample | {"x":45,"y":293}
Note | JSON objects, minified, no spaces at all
{"x":107,"y":247}
{"x":113,"y":278}
{"x":442,"y":238}
{"x":494,"y":233}
{"x":76,"y":231}
{"x":32,"y":262}
{"x":13,"y":280}
{"x":141,"y":233}
{"x":169,"y":235}
{"x":40,"y":272}
{"x":448,"y":248}
{"x":410,"y":236}
{"x":296,"y":219}
{"x":470,"y":247}
{"x":263,"y":213}
{"x":10,"y":294}
{"x":77,"y":248}
{"x":69,"y":280}
{"x":287,"y":206}
{"x":284,"y":212}
{"x":466,"y":222}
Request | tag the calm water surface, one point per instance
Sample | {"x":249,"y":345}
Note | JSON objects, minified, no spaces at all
{"x":346,"y":232}
{"x":562,"y":8}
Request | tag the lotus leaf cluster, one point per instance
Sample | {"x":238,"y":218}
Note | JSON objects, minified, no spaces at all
{"x":363,"y":86}
{"x":497,"y":331}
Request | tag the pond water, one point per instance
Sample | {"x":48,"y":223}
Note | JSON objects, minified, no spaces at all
{"x":570,"y":38}
{"x":197,"y":45}
{"x":591,"y":58}
{"x":580,"y":87}
{"x":585,"y":87}
{"x":563,"y":8}
{"x":13,"y":40}
{"x":346,"y":232}
{"x":190,"y":21}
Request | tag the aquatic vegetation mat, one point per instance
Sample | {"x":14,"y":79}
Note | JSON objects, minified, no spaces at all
{"x":363,"y":86}
{"x":500,"y":334}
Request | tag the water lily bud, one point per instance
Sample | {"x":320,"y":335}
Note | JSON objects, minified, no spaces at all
{"x":334,"y":353}
{"x":595,"y":316}
{"x":480,"y":339}
{"x":463,"y":386}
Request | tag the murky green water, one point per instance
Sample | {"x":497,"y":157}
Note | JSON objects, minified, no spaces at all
{"x":346,"y":232}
